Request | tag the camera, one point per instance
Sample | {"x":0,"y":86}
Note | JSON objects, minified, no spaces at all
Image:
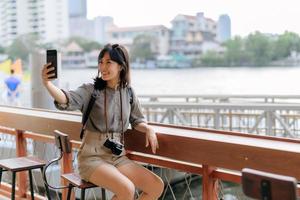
{"x":115,"y":147}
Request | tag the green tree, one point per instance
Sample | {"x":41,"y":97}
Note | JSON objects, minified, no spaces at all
{"x":86,"y":45}
{"x":142,"y":48}
{"x":212,"y":58}
{"x":235,"y":54}
{"x":285,"y":44}
{"x":22,"y":46}
{"x":2,"y":49}
{"x":258,"y":48}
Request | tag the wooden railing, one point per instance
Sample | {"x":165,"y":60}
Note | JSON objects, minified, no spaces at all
{"x":210,"y":153}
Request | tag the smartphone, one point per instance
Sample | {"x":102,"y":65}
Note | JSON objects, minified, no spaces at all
{"x":267,"y":186}
{"x":52,"y":57}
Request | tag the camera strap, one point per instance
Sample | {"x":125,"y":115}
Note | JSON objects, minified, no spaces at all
{"x":91,"y":104}
{"x":106,"y":115}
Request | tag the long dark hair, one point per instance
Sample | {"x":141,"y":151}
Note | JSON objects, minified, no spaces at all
{"x":119,"y":54}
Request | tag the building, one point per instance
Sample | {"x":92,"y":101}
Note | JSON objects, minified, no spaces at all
{"x":46,"y":18}
{"x":82,"y":27}
{"x":73,"y":56}
{"x":91,"y":58}
{"x":101,"y":26}
{"x":192,"y":35}
{"x":95,"y":29}
{"x":224,"y":28}
{"x":77,"y":8}
{"x":126,"y":36}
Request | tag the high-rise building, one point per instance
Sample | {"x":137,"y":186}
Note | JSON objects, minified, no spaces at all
{"x":81,"y":27}
{"x":223,"y":28}
{"x":77,"y":8}
{"x":102,"y":25}
{"x":46,"y":18}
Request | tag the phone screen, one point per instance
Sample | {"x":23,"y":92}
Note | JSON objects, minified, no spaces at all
{"x":52,"y":57}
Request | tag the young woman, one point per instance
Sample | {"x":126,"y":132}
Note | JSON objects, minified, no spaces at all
{"x":115,"y":107}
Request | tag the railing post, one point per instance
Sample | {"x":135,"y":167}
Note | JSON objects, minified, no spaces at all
{"x":269,"y":123}
{"x":209,"y":184}
{"x":171,"y":116}
{"x":217,"y":119}
{"x":21,"y":150}
{"x":66,"y":167}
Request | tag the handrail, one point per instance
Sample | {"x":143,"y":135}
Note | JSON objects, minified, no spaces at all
{"x":206,"y":105}
{"x":195,"y":150}
{"x":218,"y":97}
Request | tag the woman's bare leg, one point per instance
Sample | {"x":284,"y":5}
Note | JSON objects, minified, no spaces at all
{"x":109,"y":177}
{"x":151,"y":184}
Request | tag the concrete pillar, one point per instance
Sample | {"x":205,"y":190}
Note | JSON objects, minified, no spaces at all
{"x":40,"y":97}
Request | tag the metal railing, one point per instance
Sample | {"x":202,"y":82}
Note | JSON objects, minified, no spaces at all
{"x":225,"y":98}
{"x":215,"y":155}
{"x":275,"y":119}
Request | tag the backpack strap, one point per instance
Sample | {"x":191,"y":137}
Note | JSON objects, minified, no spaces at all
{"x":90,"y":106}
{"x":87,"y":112}
{"x":130,"y":95}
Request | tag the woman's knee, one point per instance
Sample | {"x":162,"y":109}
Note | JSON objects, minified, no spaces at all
{"x":126,"y":192}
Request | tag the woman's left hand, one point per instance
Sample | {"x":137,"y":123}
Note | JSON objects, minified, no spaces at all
{"x":151,"y":139}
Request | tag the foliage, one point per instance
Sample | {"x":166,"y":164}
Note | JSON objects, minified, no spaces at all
{"x":85,"y":44}
{"x":22,"y":46}
{"x":2,"y":50}
{"x":212,"y":58}
{"x":285,"y":44}
{"x":257,"y":49}
{"x":142,"y":48}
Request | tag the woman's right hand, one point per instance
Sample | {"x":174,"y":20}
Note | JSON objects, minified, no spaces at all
{"x":47,"y":73}
{"x":55,"y":92}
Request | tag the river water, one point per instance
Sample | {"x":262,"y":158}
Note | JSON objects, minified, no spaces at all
{"x":219,"y":80}
{"x":235,"y":80}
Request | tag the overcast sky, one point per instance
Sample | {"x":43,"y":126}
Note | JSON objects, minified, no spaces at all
{"x":268,"y":16}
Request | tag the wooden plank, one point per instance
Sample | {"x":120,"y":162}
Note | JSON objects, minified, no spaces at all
{"x":41,"y":121}
{"x":39,"y":137}
{"x":66,"y":167}
{"x":162,"y":162}
{"x":21,"y":151}
{"x":10,"y":131}
{"x":227,"y":175}
{"x":209,"y":184}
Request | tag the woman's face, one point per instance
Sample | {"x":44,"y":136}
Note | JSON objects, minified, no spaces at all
{"x":110,"y":70}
